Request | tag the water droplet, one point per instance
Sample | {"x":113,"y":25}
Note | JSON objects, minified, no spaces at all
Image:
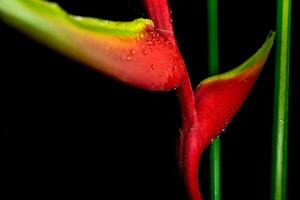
{"x":132,"y":52}
{"x":223,"y":130}
{"x":149,"y":42}
{"x":79,"y":18}
{"x":281,"y":121}
{"x":153,"y":67}
{"x":145,"y":52}
{"x":128,"y":58}
{"x":227,"y":122}
{"x":152,"y":33}
{"x":174,"y":67}
{"x":168,"y":44}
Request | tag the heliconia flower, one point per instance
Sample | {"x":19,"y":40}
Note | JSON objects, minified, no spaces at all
{"x":144,"y":54}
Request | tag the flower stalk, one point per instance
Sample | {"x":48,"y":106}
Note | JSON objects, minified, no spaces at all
{"x":281,"y":102}
{"x":213,"y":64}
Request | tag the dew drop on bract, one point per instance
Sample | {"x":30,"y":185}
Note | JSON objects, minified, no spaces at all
{"x":145,"y":52}
{"x":174,"y":67}
{"x":168,"y":44}
{"x":153,"y":66}
{"x":132,"y":52}
{"x":79,"y":18}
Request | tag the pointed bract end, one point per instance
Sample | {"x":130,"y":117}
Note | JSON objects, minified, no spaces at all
{"x":251,"y":65}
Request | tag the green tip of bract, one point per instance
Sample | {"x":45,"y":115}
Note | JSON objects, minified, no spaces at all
{"x":252,"y":62}
{"x":36,"y":11}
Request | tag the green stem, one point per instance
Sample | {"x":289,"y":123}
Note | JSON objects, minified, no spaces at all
{"x":215,"y":170}
{"x":215,"y":149}
{"x":281,"y":101}
{"x":213,"y":36}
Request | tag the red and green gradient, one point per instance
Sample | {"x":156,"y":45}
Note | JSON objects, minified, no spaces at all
{"x":144,"y":54}
{"x":132,"y":52}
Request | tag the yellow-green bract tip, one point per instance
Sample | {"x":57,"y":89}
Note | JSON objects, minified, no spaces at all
{"x":260,"y":55}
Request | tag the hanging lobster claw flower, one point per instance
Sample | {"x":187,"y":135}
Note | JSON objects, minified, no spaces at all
{"x":144,"y":54}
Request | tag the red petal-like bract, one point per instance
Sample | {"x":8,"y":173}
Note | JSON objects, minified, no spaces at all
{"x":136,"y":53}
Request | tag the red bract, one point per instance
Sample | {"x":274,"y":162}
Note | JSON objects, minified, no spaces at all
{"x":217,"y":100}
{"x":136,"y":53}
{"x":144,"y":54}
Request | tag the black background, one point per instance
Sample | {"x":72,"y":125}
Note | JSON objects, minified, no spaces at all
{"x":71,"y":132}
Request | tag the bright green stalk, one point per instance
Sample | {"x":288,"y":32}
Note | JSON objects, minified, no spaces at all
{"x":213,"y":60}
{"x":281,"y":101}
{"x":215,"y":170}
{"x":215,"y":149}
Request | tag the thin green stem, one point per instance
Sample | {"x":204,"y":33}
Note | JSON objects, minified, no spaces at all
{"x":281,"y":101}
{"x":213,"y":62}
{"x":215,"y":170}
{"x":213,"y":57}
